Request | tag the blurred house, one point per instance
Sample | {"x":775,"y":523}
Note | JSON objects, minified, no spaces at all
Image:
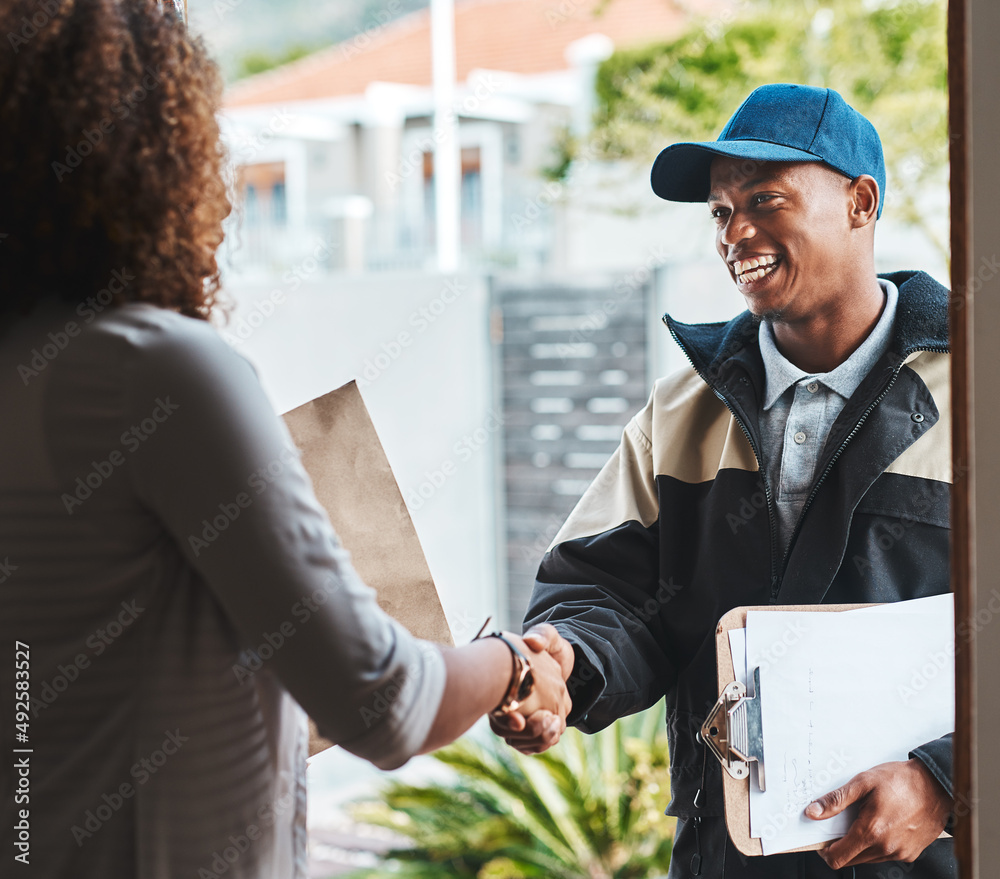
{"x":340,"y":144}
{"x":499,"y":394}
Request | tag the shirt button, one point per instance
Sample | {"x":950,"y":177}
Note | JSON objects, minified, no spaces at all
{"x":800,"y":437}
{"x":812,"y":387}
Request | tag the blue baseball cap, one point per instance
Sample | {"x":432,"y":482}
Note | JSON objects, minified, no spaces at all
{"x":781,"y":122}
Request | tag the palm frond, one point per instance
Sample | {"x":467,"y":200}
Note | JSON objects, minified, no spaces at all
{"x":589,"y":808}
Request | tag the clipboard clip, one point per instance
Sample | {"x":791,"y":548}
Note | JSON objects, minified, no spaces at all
{"x":733,"y":733}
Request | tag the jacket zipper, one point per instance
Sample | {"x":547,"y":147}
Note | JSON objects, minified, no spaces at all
{"x":771,"y":523}
{"x":775,"y":580}
{"x":843,"y":445}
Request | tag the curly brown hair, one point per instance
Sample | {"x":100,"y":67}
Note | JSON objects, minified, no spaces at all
{"x":110,"y":155}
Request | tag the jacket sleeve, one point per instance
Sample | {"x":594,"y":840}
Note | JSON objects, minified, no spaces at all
{"x":599,"y":585}
{"x":937,"y":757}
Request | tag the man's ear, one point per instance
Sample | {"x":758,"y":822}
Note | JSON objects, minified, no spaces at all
{"x":865,"y":199}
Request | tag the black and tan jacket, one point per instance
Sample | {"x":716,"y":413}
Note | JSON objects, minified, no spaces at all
{"x":679,"y":527}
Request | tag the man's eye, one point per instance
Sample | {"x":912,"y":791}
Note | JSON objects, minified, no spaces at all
{"x":718,"y":213}
{"x":761,"y":198}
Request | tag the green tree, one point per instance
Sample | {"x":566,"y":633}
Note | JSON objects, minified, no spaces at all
{"x":259,"y":61}
{"x":589,"y":808}
{"x":888,"y":60}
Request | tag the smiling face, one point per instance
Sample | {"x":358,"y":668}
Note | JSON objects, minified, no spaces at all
{"x":787,"y":232}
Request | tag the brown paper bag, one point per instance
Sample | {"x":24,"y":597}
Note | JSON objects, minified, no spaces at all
{"x":353,"y":481}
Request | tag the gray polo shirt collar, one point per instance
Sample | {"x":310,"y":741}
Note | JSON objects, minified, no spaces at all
{"x":845,"y":378}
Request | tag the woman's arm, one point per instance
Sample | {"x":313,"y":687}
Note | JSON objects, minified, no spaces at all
{"x":224,"y":479}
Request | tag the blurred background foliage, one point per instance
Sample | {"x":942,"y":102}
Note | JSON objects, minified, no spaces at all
{"x":888,"y":60}
{"x":260,"y":60}
{"x":589,"y":808}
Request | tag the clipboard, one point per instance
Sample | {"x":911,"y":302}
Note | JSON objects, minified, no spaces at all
{"x":736,"y":748}
{"x":732,"y":730}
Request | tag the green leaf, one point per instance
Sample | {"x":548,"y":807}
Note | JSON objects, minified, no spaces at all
{"x":591,"y":807}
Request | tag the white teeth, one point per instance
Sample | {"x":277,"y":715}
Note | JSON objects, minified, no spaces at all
{"x":744,"y":269}
{"x":757,"y":274}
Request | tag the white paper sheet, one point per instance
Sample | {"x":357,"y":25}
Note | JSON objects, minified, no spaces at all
{"x":841,"y":693}
{"x":932,"y":604}
{"x":738,"y":648}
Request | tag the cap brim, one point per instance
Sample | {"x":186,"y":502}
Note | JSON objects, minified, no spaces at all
{"x":681,"y":171}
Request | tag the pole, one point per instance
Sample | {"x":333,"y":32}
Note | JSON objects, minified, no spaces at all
{"x":447,"y":158}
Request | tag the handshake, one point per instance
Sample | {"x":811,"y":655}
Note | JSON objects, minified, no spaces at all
{"x":540,"y":720}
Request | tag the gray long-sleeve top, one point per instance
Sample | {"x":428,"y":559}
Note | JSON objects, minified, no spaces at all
{"x":180,"y":593}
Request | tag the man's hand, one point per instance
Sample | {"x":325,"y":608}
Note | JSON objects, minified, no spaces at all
{"x":903,"y":810}
{"x":534,"y":728}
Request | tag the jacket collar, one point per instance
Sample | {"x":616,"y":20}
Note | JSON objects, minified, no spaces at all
{"x":921,"y":323}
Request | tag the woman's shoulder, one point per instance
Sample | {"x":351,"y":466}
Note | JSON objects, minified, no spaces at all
{"x":149,"y":326}
{"x":126,"y":354}
{"x":162,"y":339}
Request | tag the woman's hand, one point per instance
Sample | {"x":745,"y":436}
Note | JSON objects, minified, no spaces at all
{"x":540,"y":720}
